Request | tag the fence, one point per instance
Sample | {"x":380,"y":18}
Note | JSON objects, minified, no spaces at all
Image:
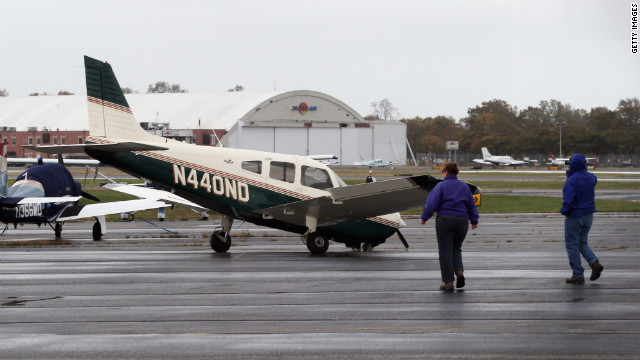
{"x":464,"y":159}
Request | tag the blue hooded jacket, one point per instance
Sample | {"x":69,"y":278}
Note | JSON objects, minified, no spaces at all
{"x":578,"y":193}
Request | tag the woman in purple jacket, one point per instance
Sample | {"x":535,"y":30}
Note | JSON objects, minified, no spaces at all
{"x":453,"y":201}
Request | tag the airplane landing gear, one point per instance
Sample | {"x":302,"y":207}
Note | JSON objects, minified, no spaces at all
{"x":220,"y":240}
{"x":97,"y":231}
{"x":57,"y":230}
{"x":317,"y":243}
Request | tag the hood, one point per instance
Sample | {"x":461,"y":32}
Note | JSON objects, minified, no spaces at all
{"x":577,"y":162}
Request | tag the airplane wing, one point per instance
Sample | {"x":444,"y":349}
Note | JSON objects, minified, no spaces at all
{"x":357,"y":202}
{"x":154,"y":194}
{"x":80,"y":148}
{"x":115,"y":207}
{"x":481,"y":161}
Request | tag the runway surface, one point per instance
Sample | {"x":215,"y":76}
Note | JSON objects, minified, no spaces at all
{"x":143,"y":293}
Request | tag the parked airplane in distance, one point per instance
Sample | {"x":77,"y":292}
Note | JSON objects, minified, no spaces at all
{"x":559,"y":162}
{"x":488,"y":159}
{"x":287,"y":192}
{"x":372,"y":163}
{"x":46,"y":193}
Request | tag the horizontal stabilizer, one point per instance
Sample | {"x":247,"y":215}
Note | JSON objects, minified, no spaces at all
{"x":80,"y":148}
{"x":48,"y":200}
{"x":52,"y":161}
{"x":116,"y":207}
{"x":154,"y":194}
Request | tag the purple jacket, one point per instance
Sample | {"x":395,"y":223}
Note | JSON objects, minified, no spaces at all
{"x":451,"y":197}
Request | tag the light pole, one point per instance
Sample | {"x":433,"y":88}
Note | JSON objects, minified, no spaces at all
{"x":560,"y":125}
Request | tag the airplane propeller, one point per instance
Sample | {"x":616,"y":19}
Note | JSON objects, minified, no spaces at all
{"x":89,"y":196}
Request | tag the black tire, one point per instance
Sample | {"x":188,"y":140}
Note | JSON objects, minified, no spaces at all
{"x":317,"y":243}
{"x":97,"y":232}
{"x":220,"y":241}
{"x":58,"y":230}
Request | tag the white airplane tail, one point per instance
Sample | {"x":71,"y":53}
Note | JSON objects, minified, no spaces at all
{"x":4,"y":176}
{"x":109,"y":113}
{"x":485,"y":153}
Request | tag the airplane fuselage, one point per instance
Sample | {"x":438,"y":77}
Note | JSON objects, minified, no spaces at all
{"x":238,"y":183}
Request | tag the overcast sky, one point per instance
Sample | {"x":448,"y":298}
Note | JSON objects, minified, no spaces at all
{"x":427,"y":57}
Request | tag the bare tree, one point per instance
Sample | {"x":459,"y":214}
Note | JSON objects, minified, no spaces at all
{"x":44,"y":93}
{"x":128,"y":90}
{"x":64,"y":92}
{"x":236,"y":88}
{"x":384,"y":110}
{"x":4,"y":92}
{"x":165,"y":87}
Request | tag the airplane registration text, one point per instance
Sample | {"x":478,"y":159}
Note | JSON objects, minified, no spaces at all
{"x":28,"y":210}
{"x":215,"y":184}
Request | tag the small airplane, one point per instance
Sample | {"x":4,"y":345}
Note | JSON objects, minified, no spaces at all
{"x":559,"y":162}
{"x":372,"y":163}
{"x":46,"y":193}
{"x":488,"y":159}
{"x":287,"y":192}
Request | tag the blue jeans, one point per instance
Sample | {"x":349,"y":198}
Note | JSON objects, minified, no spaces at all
{"x":450,"y":231}
{"x":576,"y":232}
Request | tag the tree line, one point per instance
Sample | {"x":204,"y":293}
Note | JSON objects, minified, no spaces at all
{"x":535,"y":130}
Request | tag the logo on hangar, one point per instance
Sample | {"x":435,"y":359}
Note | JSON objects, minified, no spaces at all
{"x":303,"y":108}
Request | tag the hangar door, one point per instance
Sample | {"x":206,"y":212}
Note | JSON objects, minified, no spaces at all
{"x":291,"y":141}
{"x":324,"y":141}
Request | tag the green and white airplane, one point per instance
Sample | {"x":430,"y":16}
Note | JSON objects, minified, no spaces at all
{"x":287,"y":192}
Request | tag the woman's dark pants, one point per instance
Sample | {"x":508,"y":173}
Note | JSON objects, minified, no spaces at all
{"x":450,"y":231}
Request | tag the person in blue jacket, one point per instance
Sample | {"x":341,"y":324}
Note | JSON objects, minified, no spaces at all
{"x":578,"y":206}
{"x":453,"y":201}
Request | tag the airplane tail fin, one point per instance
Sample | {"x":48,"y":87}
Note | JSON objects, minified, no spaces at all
{"x":109,"y":113}
{"x":551,"y":156}
{"x":485,"y":153}
{"x":4,"y":175}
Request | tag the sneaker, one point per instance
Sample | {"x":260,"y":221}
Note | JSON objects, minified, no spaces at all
{"x":596,"y":269}
{"x":575,"y":280}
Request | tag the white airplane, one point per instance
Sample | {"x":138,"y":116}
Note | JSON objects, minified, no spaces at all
{"x":288,"y":192}
{"x":372,"y":163}
{"x":559,"y":162}
{"x":488,"y":159}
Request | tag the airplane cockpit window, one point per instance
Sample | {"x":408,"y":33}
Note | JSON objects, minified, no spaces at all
{"x":315,"y":177}
{"x":253,"y":166}
{"x":282,"y":171}
{"x":341,"y":182}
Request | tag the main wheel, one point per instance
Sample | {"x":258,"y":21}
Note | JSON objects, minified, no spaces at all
{"x":58,"y":230}
{"x":317,"y":243}
{"x":220,"y":241}
{"x":97,"y":231}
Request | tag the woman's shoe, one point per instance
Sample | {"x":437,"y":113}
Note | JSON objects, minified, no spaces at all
{"x":460,"y":281}
{"x":447,"y":286}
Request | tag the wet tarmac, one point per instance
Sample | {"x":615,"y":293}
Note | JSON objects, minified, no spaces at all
{"x":144,"y":293}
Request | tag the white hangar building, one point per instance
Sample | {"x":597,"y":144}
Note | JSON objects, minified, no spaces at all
{"x":291,"y":122}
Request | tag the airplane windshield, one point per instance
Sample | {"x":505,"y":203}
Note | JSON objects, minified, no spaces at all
{"x":26,"y":188}
{"x":341,"y":183}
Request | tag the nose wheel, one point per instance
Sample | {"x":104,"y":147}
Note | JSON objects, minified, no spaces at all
{"x":220,"y":241}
